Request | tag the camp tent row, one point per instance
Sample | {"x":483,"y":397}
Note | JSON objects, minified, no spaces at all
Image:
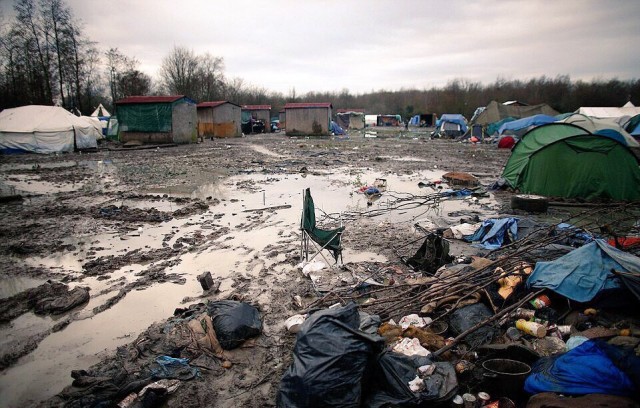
{"x":565,"y":160}
{"x":46,"y":129}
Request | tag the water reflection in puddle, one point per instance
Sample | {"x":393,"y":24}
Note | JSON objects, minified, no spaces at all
{"x":32,"y":185}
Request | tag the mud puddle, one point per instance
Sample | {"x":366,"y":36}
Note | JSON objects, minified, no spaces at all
{"x":32,"y":185}
{"x":14,"y":285}
{"x":252,"y":228}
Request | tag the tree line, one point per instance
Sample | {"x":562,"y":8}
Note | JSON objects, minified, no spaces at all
{"x":46,"y":59}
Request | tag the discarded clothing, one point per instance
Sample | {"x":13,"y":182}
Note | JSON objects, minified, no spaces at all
{"x":456,"y":193}
{"x":585,"y":272}
{"x":432,"y":254}
{"x":174,"y":368}
{"x":577,"y":238}
{"x":494,"y":233}
{"x":234,"y":322}
{"x":329,"y":361}
{"x":50,"y":297}
{"x":459,"y":231}
{"x":371,"y":191}
{"x":587,"y":369}
{"x":63,"y":302}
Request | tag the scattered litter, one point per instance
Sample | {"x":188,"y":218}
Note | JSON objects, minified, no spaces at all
{"x":314,"y":266}
{"x":414,"y":320}
{"x":410,"y":347}
{"x":294,"y":322}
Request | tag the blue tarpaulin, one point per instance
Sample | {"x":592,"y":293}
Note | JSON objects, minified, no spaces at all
{"x":453,"y":118}
{"x":593,"y":367}
{"x":584,"y":272}
{"x":524,"y":123}
{"x":336,"y":129}
{"x":494,"y":233}
{"x":493,"y":127}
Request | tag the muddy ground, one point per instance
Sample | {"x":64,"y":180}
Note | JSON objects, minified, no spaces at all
{"x":135,"y":228}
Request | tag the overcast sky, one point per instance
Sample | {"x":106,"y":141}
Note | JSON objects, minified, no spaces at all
{"x":365,"y":45}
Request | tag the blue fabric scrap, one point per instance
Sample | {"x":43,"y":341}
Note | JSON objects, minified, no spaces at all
{"x":494,"y":233}
{"x":456,"y":193}
{"x":178,"y":368}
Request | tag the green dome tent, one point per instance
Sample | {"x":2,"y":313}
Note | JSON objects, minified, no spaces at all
{"x":563,"y":160}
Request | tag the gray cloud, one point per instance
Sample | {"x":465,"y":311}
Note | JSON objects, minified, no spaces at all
{"x":358,"y":45}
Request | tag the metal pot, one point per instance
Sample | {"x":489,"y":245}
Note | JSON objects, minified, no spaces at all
{"x":504,"y":377}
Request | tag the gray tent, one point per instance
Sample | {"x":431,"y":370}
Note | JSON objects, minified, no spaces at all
{"x":495,"y":112}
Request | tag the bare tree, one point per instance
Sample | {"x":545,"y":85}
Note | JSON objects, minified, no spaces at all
{"x":28,"y":26}
{"x":179,"y":71}
{"x":56,"y":15}
{"x":134,"y":82}
{"x":120,"y":66}
{"x":210,"y":76}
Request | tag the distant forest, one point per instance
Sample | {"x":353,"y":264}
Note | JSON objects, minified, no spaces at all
{"x":46,"y":59}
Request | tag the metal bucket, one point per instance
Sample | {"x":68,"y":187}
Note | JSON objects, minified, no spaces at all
{"x":504,"y":377}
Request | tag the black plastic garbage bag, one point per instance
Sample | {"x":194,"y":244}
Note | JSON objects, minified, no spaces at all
{"x":369,"y":323}
{"x":466,"y":317}
{"x":234,"y":322}
{"x":391,"y":376}
{"x":330,"y":359}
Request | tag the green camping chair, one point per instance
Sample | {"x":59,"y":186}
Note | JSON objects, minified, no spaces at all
{"x":319,"y":239}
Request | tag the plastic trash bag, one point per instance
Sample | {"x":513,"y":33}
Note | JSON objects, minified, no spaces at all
{"x":369,"y":323}
{"x":234,"y":322}
{"x":392,"y":373}
{"x":330,"y":359}
{"x":466,"y":317}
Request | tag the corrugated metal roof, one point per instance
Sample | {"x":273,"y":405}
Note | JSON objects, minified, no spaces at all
{"x":349,"y":110}
{"x":302,"y":105}
{"x":214,"y":104}
{"x":256,"y":107}
{"x":149,"y":99}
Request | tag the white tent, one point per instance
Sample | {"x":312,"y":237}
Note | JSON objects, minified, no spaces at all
{"x":96,"y":123}
{"x":100,"y":111}
{"x":609,"y":112}
{"x":46,"y":129}
{"x":595,"y":125}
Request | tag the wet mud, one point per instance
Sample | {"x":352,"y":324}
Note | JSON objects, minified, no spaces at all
{"x":137,"y":227}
